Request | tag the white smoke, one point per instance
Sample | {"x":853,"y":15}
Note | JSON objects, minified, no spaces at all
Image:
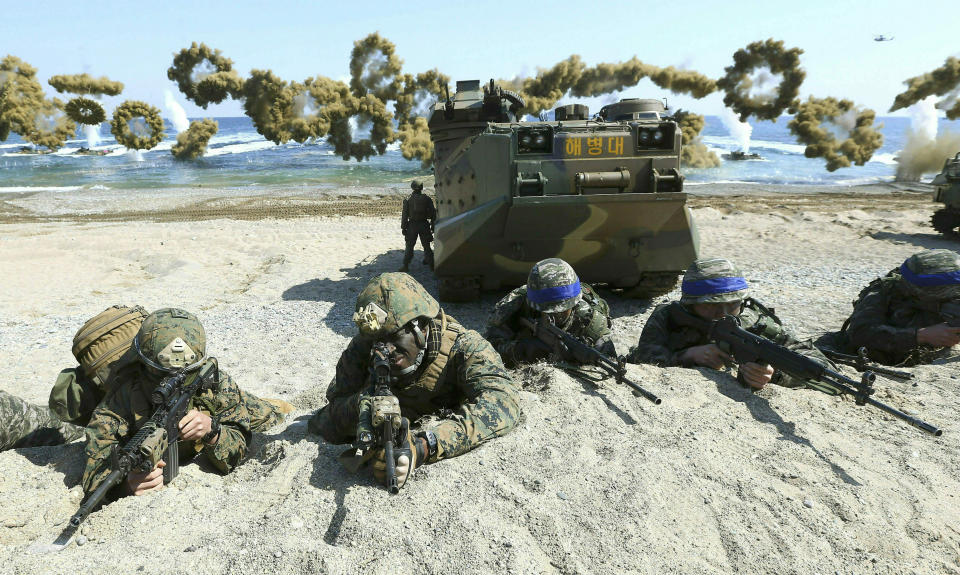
{"x":923,"y":118}
{"x":92,"y":134}
{"x":178,"y":117}
{"x":740,"y":131}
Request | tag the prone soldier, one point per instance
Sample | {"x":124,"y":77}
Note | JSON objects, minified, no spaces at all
{"x":553,"y":293}
{"x":23,"y":424}
{"x":444,"y":378}
{"x":909,"y":316}
{"x":712,"y":289}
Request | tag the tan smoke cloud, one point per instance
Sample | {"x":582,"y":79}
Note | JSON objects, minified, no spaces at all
{"x":85,"y":84}
{"x":204,"y":75}
{"x":944,"y":81}
{"x":835,"y":130}
{"x":750,"y":64}
{"x":415,"y":142}
{"x":694,"y":154}
{"x":21,"y":97}
{"x":192,"y":142}
{"x":85,"y":111}
{"x":544,"y":90}
{"x":137,"y":125}
{"x":51,"y":126}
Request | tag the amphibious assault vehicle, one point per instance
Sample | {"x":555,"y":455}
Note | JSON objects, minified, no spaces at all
{"x":946,"y":186}
{"x":604,"y":193}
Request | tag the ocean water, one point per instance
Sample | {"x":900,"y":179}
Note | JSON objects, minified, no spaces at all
{"x":239,"y":158}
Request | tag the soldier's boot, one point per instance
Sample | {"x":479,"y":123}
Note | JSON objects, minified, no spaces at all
{"x":280,"y":405}
{"x":404,"y":268}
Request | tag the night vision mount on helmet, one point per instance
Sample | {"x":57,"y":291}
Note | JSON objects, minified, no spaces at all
{"x":604,"y":193}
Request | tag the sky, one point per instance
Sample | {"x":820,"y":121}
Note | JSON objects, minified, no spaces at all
{"x":481,"y":40}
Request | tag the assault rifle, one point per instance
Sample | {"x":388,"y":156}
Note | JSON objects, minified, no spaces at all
{"x":380,"y":421}
{"x":553,"y":335}
{"x":157,"y":439}
{"x":861,"y":362}
{"x":747,"y":347}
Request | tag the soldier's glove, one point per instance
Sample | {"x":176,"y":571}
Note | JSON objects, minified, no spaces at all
{"x":405,"y":456}
{"x":403,"y":231}
{"x":531,"y":349}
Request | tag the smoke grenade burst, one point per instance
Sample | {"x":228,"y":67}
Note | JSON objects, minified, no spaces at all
{"x":749,"y":83}
{"x":192,"y":142}
{"x":835,"y":130}
{"x":925,"y":149}
{"x":21,"y":97}
{"x":944,"y":81}
{"x":85,"y":84}
{"x":137,"y":125}
{"x":694,"y":153}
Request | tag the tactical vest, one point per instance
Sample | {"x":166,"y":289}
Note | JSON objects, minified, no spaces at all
{"x":599,"y":319}
{"x":423,"y":396}
{"x":418,"y":206}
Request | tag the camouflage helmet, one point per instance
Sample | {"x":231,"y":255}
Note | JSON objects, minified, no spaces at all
{"x":553,"y":286}
{"x":932,"y":274}
{"x":390,"y":301}
{"x":171,"y":339}
{"x":416,"y":185}
{"x":713,"y":280}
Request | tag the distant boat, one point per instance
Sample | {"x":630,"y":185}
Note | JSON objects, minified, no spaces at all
{"x":740,"y":155}
{"x":882,"y":38}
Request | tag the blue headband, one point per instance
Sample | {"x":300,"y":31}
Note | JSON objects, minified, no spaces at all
{"x":714,"y":286}
{"x":929,"y":280}
{"x":550,"y":294}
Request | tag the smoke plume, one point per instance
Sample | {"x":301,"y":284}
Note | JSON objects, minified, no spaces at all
{"x":137,"y":125}
{"x":192,"y":142}
{"x":745,"y":81}
{"x":835,"y":130}
{"x":85,"y":84}
{"x":944,"y":81}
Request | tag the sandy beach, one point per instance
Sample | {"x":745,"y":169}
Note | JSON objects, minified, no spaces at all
{"x":593,"y":480}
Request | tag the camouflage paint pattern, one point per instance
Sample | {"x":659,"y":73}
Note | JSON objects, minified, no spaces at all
{"x":589,"y":321}
{"x":587,"y":195}
{"x":709,"y":269}
{"x":400,"y":296}
{"x":123,"y":412}
{"x":23,"y":424}
{"x":946,"y":190}
{"x":472,"y":400}
{"x":164,"y":325}
{"x":662,"y":342}
{"x":888,"y":313}
{"x":552,"y":273}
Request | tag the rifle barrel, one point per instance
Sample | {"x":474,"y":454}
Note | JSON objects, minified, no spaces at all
{"x":96,"y":497}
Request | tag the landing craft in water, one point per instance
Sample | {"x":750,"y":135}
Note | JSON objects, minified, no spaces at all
{"x":882,"y":38}
{"x":602,"y":192}
{"x":739,"y":156}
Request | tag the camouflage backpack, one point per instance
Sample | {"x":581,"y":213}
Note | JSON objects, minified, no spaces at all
{"x":102,"y":346}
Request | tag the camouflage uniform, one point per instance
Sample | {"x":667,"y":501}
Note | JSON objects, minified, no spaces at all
{"x":122,"y":413}
{"x":25,"y":425}
{"x":890,"y":310}
{"x":416,"y":220}
{"x":168,"y":340}
{"x":461,"y":391}
{"x":590,"y":322}
{"x":663,"y":341}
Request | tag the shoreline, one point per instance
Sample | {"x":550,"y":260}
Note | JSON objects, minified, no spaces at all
{"x":199,"y":204}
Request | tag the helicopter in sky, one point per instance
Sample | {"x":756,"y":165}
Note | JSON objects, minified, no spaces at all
{"x":882,"y":38}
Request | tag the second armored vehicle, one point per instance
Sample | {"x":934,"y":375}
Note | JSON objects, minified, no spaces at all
{"x":604,"y":193}
{"x":946,"y":186}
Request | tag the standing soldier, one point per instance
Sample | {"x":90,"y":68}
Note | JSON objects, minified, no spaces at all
{"x":553,"y":292}
{"x":416,"y":221}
